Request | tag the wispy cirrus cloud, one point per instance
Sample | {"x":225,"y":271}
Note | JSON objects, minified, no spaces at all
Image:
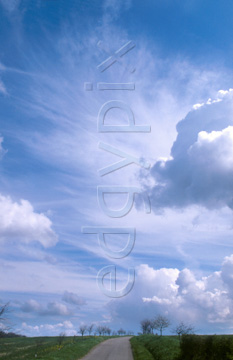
{"x":10,"y":5}
{"x":3,"y":89}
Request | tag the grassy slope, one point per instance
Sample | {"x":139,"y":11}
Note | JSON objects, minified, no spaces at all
{"x":192,"y":347}
{"x":139,"y":350}
{"x":151,"y":347}
{"x":47,"y":348}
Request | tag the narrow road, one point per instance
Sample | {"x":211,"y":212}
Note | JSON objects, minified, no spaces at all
{"x":111,"y":349}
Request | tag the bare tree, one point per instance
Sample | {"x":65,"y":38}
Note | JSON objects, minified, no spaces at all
{"x":121,"y":332}
{"x":108,"y":331}
{"x":104,"y":328}
{"x":100,"y":330}
{"x":3,"y":310}
{"x":4,"y":324}
{"x":82,"y":329}
{"x":90,"y":328}
{"x":146,"y":326}
{"x":160,"y":323}
{"x":183,"y":329}
{"x":130,"y":332}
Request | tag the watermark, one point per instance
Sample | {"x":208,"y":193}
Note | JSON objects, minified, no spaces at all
{"x":104,"y":233}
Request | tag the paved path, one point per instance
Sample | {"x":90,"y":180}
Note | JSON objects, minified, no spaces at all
{"x":111,"y":349}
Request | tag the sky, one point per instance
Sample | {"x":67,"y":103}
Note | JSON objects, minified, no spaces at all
{"x":57,"y":146}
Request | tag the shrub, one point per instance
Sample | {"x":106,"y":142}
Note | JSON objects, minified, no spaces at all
{"x":212,"y":347}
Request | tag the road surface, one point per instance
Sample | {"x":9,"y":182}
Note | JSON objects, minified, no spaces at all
{"x":111,"y":349}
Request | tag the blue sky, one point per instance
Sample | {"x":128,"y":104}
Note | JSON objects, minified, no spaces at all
{"x":50,"y":160}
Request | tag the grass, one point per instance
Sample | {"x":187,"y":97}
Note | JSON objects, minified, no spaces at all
{"x":191,"y":347}
{"x":151,"y":347}
{"x":139,"y":350}
{"x":47,"y":348}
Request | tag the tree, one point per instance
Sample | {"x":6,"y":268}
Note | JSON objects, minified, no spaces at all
{"x":104,"y":330}
{"x":183,"y":329}
{"x":160,"y":323}
{"x":146,"y":326}
{"x":82,"y":329}
{"x":4,"y":309}
{"x":108,"y":331}
{"x":100,"y":330}
{"x":130,"y":332}
{"x":90,"y":328}
{"x":121,"y":332}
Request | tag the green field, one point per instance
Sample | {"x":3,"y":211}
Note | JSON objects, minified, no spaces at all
{"x":47,"y":348}
{"x":191,"y":347}
{"x":144,"y":347}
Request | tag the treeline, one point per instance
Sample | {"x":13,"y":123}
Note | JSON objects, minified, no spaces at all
{"x":4,"y":334}
{"x":149,"y":326}
{"x":102,"y":330}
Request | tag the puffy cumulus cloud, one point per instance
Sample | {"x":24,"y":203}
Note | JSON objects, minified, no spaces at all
{"x":31,"y":306}
{"x":52,"y":308}
{"x":205,"y":301}
{"x":49,"y":329}
{"x":200,"y":168}
{"x":56,"y":308}
{"x":73,"y":299}
{"x":19,"y":221}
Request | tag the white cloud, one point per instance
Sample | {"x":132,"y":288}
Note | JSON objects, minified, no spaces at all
{"x":31,"y":305}
{"x":52,"y":308}
{"x":180,"y":295}
{"x":73,"y":299}
{"x":49,"y":329}
{"x":201,"y":168}
{"x":19,"y":221}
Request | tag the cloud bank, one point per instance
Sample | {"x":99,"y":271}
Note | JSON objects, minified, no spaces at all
{"x":48,"y":329}
{"x":181,"y":296}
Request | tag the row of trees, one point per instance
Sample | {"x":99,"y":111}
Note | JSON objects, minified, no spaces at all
{"x":101,"y":330}
{"x":161,"y":322}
